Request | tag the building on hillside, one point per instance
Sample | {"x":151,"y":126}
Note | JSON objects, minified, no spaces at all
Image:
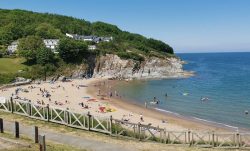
{"x":70,"y":35}
{"x":106,"y":39}
{"x":89,"y":38}
{"x":12,"y":48}
{"x":91,"y":47}
{"x":51,"y":44}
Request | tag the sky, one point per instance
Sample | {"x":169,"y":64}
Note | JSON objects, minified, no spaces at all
{"x":186,"y":25}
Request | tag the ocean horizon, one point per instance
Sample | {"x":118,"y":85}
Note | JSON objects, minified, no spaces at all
{"x":218,"y":92}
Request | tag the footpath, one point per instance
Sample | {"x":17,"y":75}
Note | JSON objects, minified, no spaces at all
{"x":76,"y":141}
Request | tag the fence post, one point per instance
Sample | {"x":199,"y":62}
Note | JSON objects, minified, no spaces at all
{"x":165,"y":136}
{"x":66,"y":116}
{"x":1,"y":125}
{"x":189,"y":138}
{"x":12,"y":104}
{"x":111,"y":119}
{"x":29,"y":108}
{"x":36,"y":134}
{"x":237,"y":140}
{"x":48,"y":113}
{"x":168,"y":138}
{"x":16,"y":129}
{"x":42,"y":145}
{"x":89,"y":116}
{"x":213,"y":141}
{"x":9,"y":105}
{"x":139,"y":130}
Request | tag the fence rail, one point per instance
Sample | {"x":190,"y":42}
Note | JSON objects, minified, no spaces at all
{"x":120,"y":128}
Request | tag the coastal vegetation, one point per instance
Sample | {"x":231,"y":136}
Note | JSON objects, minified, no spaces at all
{"x":30,"y":28}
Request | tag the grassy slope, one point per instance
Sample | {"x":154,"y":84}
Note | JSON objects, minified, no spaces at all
{"x":31,"y":146}
{"x":11,"y":65}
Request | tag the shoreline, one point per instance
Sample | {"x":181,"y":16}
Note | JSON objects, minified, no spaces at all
{"x":184,"y":122}
{"x":75,"y":92}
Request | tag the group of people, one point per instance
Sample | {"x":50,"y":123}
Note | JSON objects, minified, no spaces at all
{"x":83,"y":105}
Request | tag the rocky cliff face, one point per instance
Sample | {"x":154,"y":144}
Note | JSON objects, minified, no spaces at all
{"x":112,"y":66}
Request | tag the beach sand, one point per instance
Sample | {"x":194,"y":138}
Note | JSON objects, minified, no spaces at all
{"x":95,"y":93}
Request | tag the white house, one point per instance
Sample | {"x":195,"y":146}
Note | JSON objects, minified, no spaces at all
{"x":70,"y":35}
{"x":107,"y":39}
{"x":91,"y":47}
{"x":51,"y":43}
{"x":12,"y":47}
{"x":89,"y":38}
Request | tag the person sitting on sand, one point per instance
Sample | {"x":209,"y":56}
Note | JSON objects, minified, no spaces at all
{"x":164,"y":121}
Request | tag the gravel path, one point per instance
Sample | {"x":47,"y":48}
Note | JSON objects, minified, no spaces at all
{"x":76,"y":141}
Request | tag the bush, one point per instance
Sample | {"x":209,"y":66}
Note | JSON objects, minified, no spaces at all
{"x":7,"y":78}
{"x":130,"y":55}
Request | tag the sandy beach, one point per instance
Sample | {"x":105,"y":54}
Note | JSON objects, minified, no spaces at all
{"x":99,"y":97}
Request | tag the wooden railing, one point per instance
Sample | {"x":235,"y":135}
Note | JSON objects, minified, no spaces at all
{"x":120,"y":128}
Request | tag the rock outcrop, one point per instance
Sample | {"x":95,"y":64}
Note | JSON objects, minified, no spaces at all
{"x":112,"y":66}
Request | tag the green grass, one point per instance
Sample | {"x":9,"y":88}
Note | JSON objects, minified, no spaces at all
{"x":29,"y":145}
{"x":11,"y":65}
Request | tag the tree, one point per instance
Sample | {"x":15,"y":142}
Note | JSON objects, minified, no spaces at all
{"x":44,"y":56}
{"x":3,"y":51}
{"x":71,"y":50}
{"x":29,"y":46}
{"x":47,"y":31}
{"x":160,"y":46}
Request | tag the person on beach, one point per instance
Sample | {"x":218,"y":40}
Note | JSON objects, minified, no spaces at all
{"x":141,"y":118}
{"x":145,"y":104}
{"x":166,"y":94}
{"x":99,"y":92}
{"x":155,"y":100}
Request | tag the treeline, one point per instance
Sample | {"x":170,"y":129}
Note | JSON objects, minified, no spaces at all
{"x":16,"y":24}
{"x":30,"y":28}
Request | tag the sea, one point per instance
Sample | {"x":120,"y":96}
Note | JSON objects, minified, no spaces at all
{"x":218,"y":93}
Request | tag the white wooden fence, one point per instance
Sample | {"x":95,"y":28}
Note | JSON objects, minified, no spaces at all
{"x":119,"y":128}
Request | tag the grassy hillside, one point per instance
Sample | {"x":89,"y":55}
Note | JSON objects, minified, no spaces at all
{"x":16,"y":24}
{"x":30,"y":28}
{"x":11,"y":65}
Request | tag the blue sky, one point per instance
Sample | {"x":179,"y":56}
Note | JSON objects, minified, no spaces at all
{"x":187,"y":25}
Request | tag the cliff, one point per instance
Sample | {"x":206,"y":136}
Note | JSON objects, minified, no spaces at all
{"x":112,"y":66}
